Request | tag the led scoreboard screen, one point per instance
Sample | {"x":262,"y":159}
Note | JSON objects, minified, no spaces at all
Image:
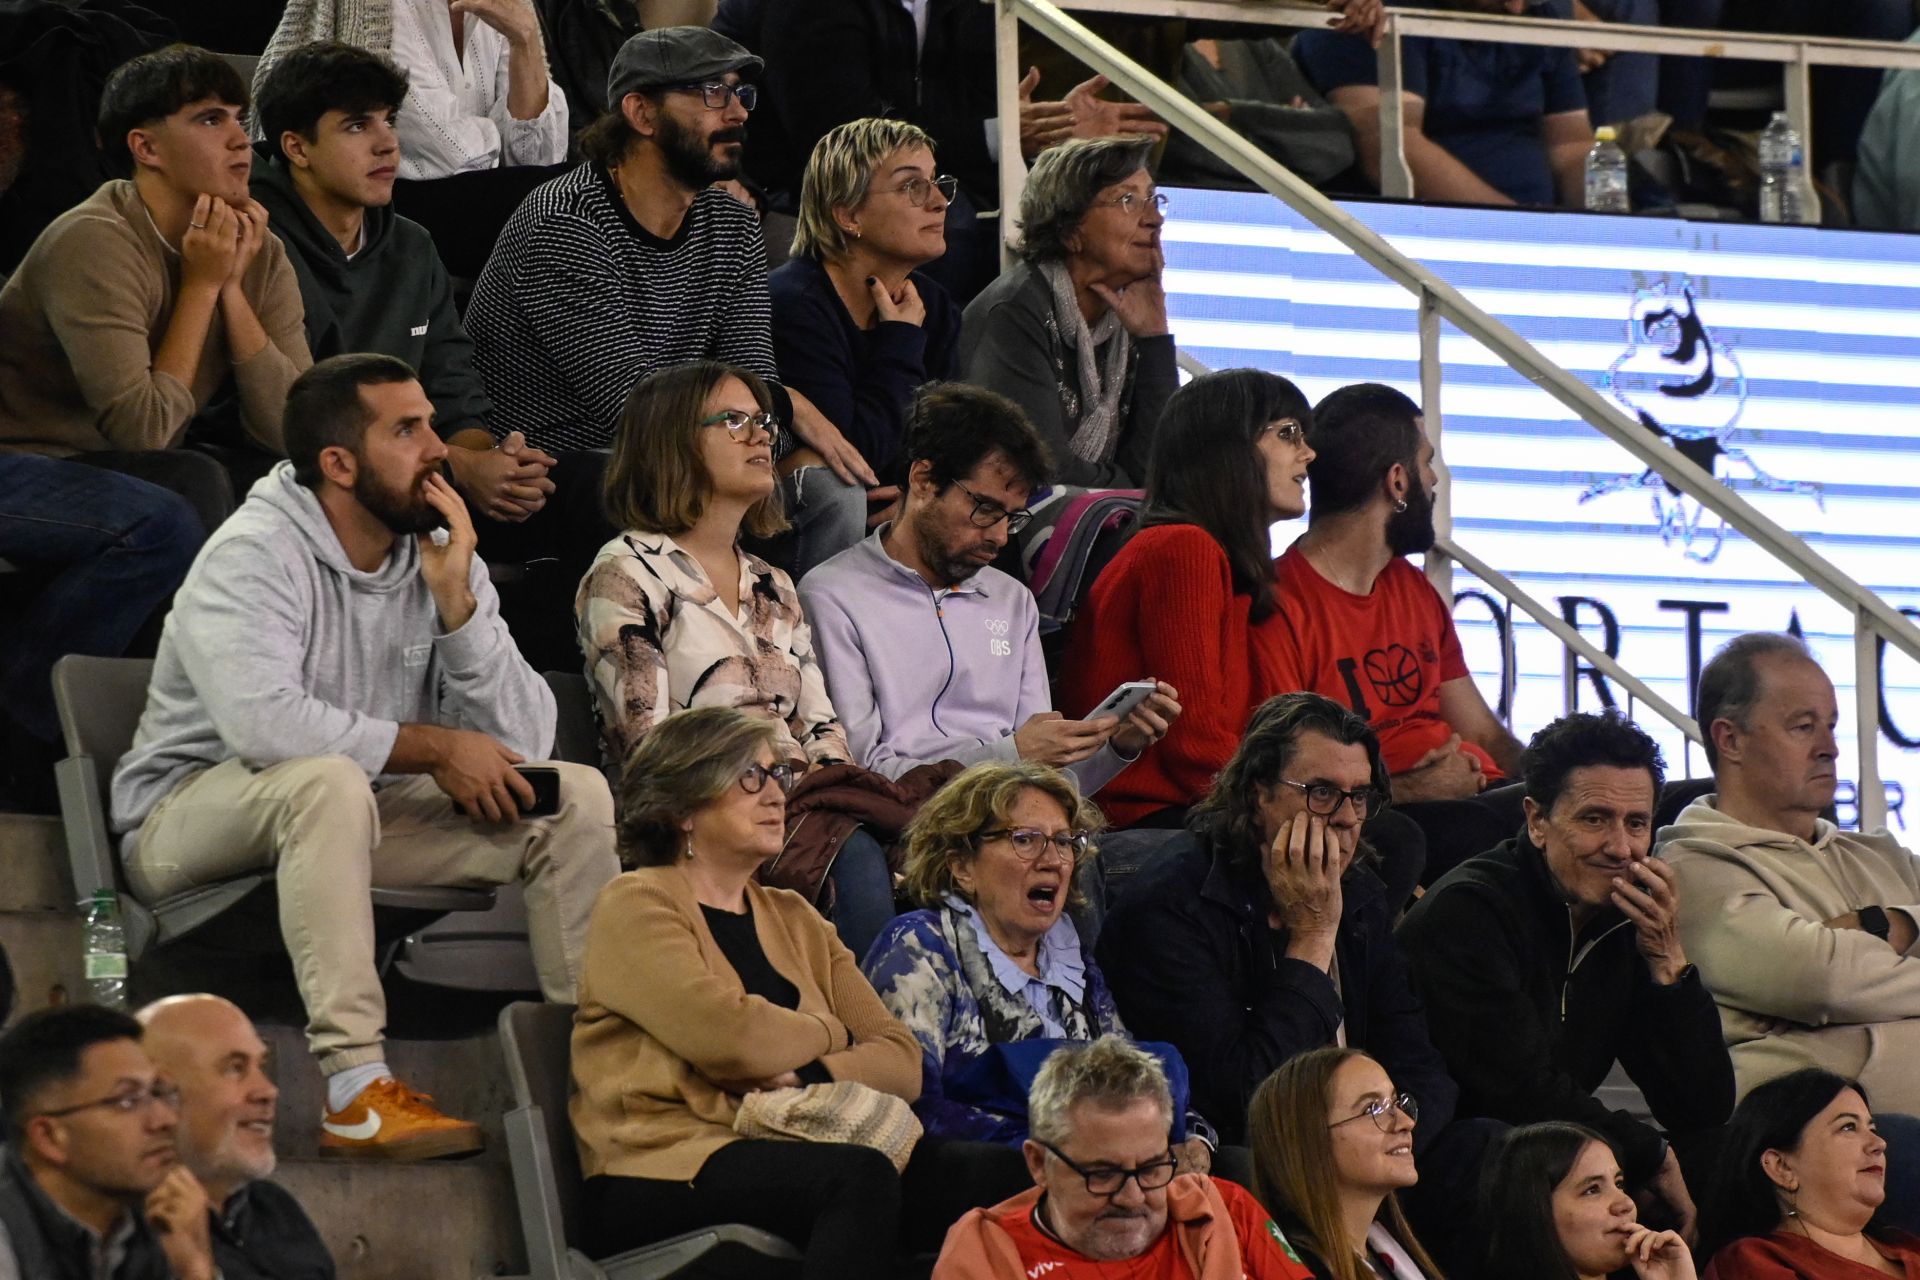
{"x":1785,"y":359}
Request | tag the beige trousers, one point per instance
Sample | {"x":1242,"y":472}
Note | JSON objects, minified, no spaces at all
{"x":330,"y":836}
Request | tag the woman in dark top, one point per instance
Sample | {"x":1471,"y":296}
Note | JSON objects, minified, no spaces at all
{"x":856,"y":328}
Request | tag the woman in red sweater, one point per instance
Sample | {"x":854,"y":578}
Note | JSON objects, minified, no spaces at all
{"x":1190,"y":599}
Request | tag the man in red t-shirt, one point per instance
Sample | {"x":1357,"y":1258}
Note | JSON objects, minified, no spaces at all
{"x":1109,"y":1202}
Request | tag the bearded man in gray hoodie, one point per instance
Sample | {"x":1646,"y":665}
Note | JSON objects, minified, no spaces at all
{"x":334,"y":690}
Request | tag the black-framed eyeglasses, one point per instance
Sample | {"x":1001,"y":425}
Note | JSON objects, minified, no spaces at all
{"x":1323,"y":798}
{"x":125,"y":1102}
{"x":753,"y":778}
{"x":1107,"y":1179}
{"x":1287,"y":431}
{"x":1381,"y":1109}
{"x":1133,"y":204}
{"x":715,"y":93}
{"x":739,"y":424}
{"x":988,"y":513}
{"x":916,"y":190}
{"x":1028,"y":843}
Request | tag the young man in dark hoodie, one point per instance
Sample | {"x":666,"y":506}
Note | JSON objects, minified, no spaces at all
{"x":371,"y":279}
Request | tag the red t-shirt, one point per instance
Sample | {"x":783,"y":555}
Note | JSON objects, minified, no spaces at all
{"x":1261,"y":1255}
{"x":1385,"y":654}
{"x":1787,"y":1256}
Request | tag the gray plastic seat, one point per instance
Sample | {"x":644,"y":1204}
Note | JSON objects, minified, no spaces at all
{"x":536,"y":1040}
{"x":576,"y":735}
{"x":100,"y":701}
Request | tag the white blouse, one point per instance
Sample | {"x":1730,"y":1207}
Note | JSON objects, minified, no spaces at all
{"x":455,"y":117}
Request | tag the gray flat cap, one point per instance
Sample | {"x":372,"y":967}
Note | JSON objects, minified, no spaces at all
{"x":669,"y":56}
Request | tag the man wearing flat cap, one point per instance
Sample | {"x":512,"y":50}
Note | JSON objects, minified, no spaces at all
{"x":637,"y":260}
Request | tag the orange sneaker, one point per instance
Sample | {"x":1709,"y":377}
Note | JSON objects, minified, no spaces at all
{"x":388,"y":1121}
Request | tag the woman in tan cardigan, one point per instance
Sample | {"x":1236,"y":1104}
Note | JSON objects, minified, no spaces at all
{"x":701,"y":986}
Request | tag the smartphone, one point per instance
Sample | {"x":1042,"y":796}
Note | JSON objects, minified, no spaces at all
{"x":545,"y":781}
{"x":1124,"y":700}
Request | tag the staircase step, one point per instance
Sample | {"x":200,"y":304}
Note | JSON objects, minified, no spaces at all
{"x":33,"y":851}
{"x":438,"y":1220}
{"x":44,"y":949}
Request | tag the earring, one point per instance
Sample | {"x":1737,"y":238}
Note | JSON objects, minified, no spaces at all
{"x":1793,"y":1207}
{"x":688,"y":855}
{"x":1400,"y":506}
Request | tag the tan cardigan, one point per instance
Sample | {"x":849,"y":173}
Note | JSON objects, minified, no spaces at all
{"x":82,"y":317}
{"x":662,"y":1014}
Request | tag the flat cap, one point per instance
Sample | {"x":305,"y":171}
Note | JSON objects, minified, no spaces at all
{"x":669,"y":56}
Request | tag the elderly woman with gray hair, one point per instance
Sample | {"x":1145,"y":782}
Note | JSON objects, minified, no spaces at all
{"x":1076,"y":332}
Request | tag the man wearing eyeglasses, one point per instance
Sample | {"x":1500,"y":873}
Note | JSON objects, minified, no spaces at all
{"x":1555,"y":955}
{"x":931,"y":653}
{"x":90,"y":1187}
{"x":1106,"y":1201}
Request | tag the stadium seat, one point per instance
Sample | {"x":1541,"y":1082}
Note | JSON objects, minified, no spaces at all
{"x":576,"y":736}
{"x":535,"y":1039}
{"x":99,"y":701}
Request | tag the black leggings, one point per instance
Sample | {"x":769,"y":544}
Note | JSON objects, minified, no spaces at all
{"x":842,"y":1206}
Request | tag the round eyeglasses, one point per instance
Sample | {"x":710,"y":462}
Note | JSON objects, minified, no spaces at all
{"x":1133,"y":204}
{"x":1107,"y":1179}
{"x":988,"y":513}
{"x":1323,"y":798}
{"x":753,"y":778}
{"x":916,"y":190}
{"x":1381,"y":1110}
{"x":741,"y":426}
{"x":716,"y":92}
{"x":1028,"y":844}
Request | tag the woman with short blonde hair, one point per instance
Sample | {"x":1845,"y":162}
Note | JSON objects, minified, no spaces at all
{"x":856,"y":326}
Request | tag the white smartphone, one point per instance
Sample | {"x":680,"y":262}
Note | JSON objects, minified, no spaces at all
{"x":1123,"y":701}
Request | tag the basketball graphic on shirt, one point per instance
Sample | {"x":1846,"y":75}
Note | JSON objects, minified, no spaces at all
{"x":1395,"y":675}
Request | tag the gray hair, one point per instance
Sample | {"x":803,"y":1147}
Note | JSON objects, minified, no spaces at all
{"x":1062,"y":186}
{"x":1109,"y":1072}
{"x":1730,"y":683}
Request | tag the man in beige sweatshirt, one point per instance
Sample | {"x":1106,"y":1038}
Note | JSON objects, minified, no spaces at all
{"x":1804,"y":933}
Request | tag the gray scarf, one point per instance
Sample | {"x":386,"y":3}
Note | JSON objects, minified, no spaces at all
{"x":1098,"y":432}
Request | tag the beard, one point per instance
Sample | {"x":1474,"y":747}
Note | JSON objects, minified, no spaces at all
{"x":954,"y":565}
{"x":1410,"y":532}
{"x":402,"y":511}
{"x":691,"y":158}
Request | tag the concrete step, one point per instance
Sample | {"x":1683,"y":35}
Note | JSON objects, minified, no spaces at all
{"x":33,"y":864}
{"x":442,"y":1220}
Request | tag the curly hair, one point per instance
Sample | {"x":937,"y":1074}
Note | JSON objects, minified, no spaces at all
{"x":1586,"y":739}
{"x":946,"y":831}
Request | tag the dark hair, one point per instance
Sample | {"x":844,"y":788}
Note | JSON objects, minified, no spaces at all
{"x":44,"y":1048}
{"x":317,"y":78}
{"x":325,"y":409}
{"x":1230,"y":813}
{"x":154,"y":86}
{"x":1742,"y":1200}
{"x":655,"y":479}
{"x":1517,"y":1231}
{"x":1730,"y":682}
{"x":952,"y":426}
{"x":1585,"y":739}
{"x":605,"y":142}
{"x":1205,"y":469}
{"x":1359,"y":433}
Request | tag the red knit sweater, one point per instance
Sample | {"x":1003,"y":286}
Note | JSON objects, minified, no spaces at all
{"x":1165,"y":608}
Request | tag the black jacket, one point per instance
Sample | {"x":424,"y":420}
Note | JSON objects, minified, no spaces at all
{"x":47,"y":1244}
{"x":262,"y":1233}
{"x":393,"y":297}
{"x":1190,"y":959}
{"x":1531,"y":1018}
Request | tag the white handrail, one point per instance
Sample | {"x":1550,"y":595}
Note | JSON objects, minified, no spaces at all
{"x":1442,"y":300}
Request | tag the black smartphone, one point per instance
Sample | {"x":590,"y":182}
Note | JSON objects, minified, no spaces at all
{"x":545,"y":781}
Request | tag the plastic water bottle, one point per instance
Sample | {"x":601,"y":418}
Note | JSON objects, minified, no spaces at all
{"x":1784,"y":196}
{"x":106,"y":943}
{"x":1607,"y":174}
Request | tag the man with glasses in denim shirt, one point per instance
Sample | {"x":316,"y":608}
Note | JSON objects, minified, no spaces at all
{"x":90,"y":1186}
{"x":933,"y":654}
{"x":1106,"y":1201}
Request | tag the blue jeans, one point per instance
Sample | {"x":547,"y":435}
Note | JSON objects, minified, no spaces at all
{"x":116,"y":548}
{"x":862,"y":892}
{"x":828,"y":516}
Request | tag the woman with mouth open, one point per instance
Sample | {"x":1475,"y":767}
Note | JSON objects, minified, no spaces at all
{"x":1803,"y":1176}
{"x":1332,"y":1142}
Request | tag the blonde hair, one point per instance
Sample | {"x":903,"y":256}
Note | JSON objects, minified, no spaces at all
{"x":839,"y":176}
{"x":1293,"y":1161}
{"x":682,"y":765}
{"x":946,"y":831}
{"x":1110,"y":1072}
{"x":656,"y":480}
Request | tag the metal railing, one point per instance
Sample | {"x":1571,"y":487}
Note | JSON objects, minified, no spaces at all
{"x":1873,"y":617}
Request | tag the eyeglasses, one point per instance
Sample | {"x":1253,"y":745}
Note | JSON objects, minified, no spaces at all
{"x":753,"y":778}
{"x":916,"y":190}
{"x":715,"y":93}
{"x":1107,"y":1180}
{"x":1028,"y":844}
{"x":988,"y":513}
{"x":1323,"y":798}
{"x":1287,"y":431}
{"x":1133,"y":204}
{"x":1380,"y":1109}
{"x":127,"y":1102}
{"x":739,"y":425}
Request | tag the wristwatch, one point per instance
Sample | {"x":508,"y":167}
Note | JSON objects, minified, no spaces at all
{"x":1874,"y":921}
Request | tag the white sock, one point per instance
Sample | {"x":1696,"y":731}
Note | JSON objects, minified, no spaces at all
{"x":344,"y":1086}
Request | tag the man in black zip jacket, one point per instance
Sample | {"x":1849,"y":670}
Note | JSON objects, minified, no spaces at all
{"x":1549,"y":958}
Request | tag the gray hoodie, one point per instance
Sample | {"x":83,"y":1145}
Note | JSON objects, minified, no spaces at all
{"x":1793,"y":992}
{"x":278,"y":648}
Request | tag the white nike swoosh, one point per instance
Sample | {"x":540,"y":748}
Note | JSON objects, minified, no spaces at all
{"x":355,"y":1132}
